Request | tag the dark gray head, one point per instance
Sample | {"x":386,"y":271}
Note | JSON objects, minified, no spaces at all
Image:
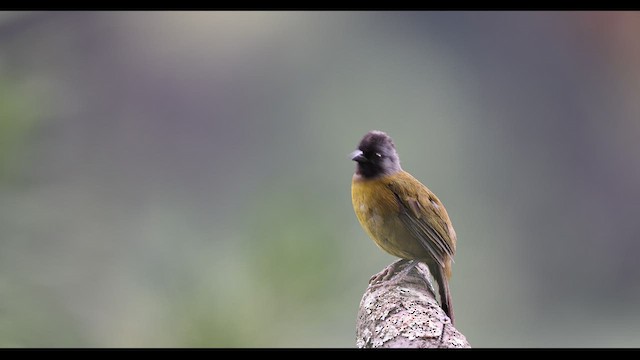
{"x":376,"y":155}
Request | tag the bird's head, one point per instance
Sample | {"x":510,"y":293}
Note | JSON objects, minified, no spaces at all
{"x":376,"y":155}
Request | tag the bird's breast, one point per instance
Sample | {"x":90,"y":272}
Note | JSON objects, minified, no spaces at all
{"x":377,"y":211}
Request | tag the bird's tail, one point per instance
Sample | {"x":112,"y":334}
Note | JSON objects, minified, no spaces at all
{"x":443,"y":289}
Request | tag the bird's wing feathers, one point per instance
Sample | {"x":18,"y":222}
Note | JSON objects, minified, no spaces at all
{"x":425,"y":222}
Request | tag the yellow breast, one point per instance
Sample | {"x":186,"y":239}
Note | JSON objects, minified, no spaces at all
{"x":377,"y":211}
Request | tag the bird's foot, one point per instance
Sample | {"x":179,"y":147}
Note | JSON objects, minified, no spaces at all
{"x":388,"y":275}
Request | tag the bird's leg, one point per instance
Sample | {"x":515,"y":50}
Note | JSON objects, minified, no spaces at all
{"x":387,"y":273}
{"x":425,"y":277}
{"x":389,"y":277}
{"x":427,"y":280}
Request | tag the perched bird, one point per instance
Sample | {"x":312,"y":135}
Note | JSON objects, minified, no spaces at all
{"x":400,"y":214}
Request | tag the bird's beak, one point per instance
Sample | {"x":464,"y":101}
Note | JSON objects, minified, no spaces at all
{"x":358,"y":156}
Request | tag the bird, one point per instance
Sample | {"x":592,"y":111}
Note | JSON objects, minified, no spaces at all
{"x":400,"y":214}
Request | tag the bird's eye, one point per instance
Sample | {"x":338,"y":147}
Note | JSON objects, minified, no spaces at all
{"x":379,"y":155}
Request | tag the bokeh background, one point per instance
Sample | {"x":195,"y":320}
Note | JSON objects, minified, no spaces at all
{"x":181,"y":179}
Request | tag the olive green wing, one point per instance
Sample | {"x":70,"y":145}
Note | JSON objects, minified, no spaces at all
{"x":423,"y":215}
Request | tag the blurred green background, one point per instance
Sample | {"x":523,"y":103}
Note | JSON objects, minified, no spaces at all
{"x":181,"y":179}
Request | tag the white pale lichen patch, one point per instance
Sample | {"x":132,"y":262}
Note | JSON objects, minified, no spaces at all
{"x":385,"y":333}
{"x":364,"y":339}
{"x":457,"y":342}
